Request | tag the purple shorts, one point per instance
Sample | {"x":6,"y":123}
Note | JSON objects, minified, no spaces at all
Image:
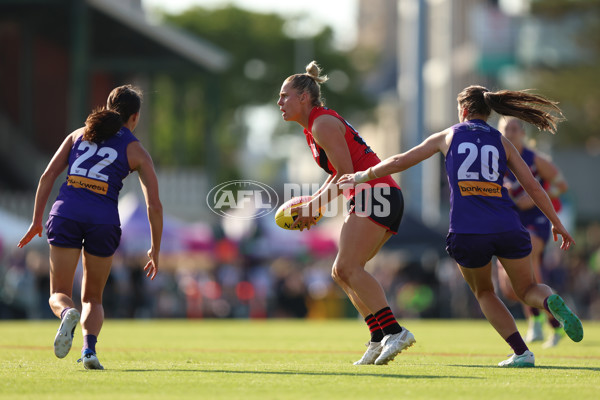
{"x":477,"y":250}
{"x":99,"y":240}
{"x":537,"y":225}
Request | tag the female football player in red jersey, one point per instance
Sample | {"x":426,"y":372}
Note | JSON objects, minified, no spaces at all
{"x":534,"y":220}
{"x":85,"y":215}
{"x":338,"y":149}
{"x":483,"y":222}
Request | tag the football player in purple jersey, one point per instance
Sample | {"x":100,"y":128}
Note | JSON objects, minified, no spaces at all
{"x":483,"y":221}
{"x":85,"y":216}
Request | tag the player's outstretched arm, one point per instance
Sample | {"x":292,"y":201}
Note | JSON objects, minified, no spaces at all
{"x":399,"y":162}
{"x":55,"y":167}
{"x":140,"y":161}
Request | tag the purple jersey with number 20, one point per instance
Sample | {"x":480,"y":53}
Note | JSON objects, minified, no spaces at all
{"x":94,"y":178}
{"x":475,"y":165}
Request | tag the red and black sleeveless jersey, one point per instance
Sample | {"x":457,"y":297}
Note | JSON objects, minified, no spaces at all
{"x":361,"y":154}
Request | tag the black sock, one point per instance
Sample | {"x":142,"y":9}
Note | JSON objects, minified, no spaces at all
{"x":376,"y":332}
{"x":515,"y":341}
{"x":387,"y":321}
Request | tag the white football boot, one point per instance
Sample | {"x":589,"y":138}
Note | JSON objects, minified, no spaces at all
{"x":64,"y":337}
{"x":373,"y":351}
{"x":535,"y":331}
{"x":525,"y":360}
{"x":554,"y":338}
{"x":393,"y":345}
{"x":90,"y":360}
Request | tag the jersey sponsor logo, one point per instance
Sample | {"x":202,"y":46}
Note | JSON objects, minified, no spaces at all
{"x":476,"y":188}
{"x":86,"y":183}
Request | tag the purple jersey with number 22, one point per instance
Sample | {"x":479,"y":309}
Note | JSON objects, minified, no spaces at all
{"x":95,"y":176}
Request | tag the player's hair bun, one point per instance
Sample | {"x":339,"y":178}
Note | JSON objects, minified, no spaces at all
{"x":314,"y":71}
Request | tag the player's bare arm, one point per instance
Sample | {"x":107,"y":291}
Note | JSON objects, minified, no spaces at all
{"x":536,"y":192}
{"x":140,"y":161}
{"x":55,"y":167}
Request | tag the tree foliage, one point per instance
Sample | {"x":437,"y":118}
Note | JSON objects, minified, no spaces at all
{"x":262,"y":57}
{"x":576,"y":86}
{"x":259,"y":39}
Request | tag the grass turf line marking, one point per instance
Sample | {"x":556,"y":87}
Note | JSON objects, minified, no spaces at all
{"x":265,"y":351}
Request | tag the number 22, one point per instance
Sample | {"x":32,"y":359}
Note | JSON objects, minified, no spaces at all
{"x":109,"y":154}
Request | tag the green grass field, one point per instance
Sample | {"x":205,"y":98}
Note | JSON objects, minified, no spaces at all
{"x":284,"y":359}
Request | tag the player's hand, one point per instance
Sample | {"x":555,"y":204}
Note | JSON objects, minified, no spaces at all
{"x":567,"y":240}
{"x":305,"y":218}
{"x":151,"y":267}
{"x":34,"y":229}
{"x":347,"y":181}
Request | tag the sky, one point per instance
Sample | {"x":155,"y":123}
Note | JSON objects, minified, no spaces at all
{"x":341,"y":19}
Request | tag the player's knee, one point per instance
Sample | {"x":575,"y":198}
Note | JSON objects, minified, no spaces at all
{"x":521,"y":291}
{"x":482,"y":292}
{"x":58,"y":294}
{"x":334,"y":274}
{"x":341,"y":273}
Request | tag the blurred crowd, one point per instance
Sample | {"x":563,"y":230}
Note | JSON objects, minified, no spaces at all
{"x":233,"y":280}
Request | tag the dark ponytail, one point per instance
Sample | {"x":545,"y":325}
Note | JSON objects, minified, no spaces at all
{"x":535,"y":109}
{"x":101,"y":125}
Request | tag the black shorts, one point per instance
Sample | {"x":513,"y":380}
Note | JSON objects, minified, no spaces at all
{"x":476,"y":250}
{"x":382,"y":204}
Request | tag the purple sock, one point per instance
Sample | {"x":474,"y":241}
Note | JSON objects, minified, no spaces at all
{"x":554,"y":323}
{"x":546,"y":304}
{"x":89,"y":342}
{"x":62,"y":313}
{"x":515,"y":341}
{"x":534,"y":311}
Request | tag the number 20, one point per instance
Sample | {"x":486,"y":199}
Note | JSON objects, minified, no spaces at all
{"x":487,"y":152}
{"x":109,"y":154}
